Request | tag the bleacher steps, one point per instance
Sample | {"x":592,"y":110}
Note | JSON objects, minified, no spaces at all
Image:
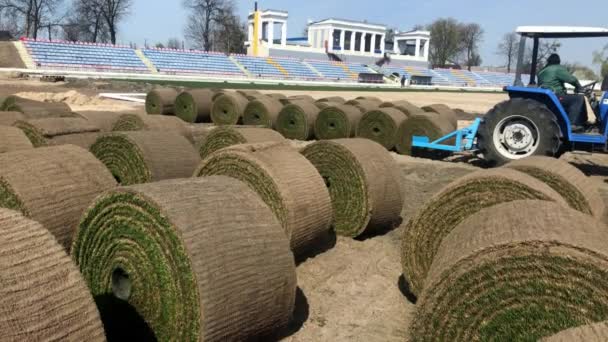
{"x":238,"y":65}
{"x":25,"y":55}
{"x":146,"y":61}
{"x":277,"y":65}
{"x":460,"y":74}
{"x":352,"y":74}
{"x":313,"y":69}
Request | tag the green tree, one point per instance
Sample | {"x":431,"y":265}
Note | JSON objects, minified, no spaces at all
{"x":471,"y":35}
{"x":581,"y":72}
{"x":600,"y":58}
{"x":445,"y":41}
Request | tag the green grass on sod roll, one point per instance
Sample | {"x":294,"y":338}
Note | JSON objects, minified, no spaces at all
{"x":363,"y":105}
{"x":336,"y":99}
{"x":129,"y":123}
{"x":337,"y":122}
{"x":381,"y":125}
{"x":516,"y":271}
{"x":422,"y":124}
{"x":226,"y":136}
{"x":459,"y":200}
{"x":597,"y":332}
{"x":160,"y":248}
{"x":363,"y":183}
{"x":262,"y":111}
{"x":444,"y":112}
{"x":296,"y":120}
{"x":13,"y":139}
{"x":161,"y":101}
{"x":194,"y":106}
{"x":228,"y":109}
{"x":406,"y":107}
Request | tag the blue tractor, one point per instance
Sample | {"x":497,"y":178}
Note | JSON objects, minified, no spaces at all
{"x":533,"y":121}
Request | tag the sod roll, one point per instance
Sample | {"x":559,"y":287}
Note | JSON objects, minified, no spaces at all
{"x":200,"y":132}
{"x":52,"y":185}
{"x":517,"y":271}
{"x":597,"y":332}
{"x":335,"y":99}
{"x":143,"y":157}
{"x":262,"y":111}
{"x":323,"y":105}
{"x":370,"y":98}
{"x":105,"y":121}
{"x":287,"y":182}
{"x":575,"y":187}
{"x":161,"y":101}
{"x":406,"y":107}
{"x":459,"y":200}
{"x":129,"y":123}
{"x":43,"y":296}
{"x":155,"y":123}
{"x":337,"y":122}
{"x":83,"y":140}
{"x":277,"y":96}
{"x":363,"y":105}
{"x":302,"y":98}
{"x":9,"y":118}
{"x":422,"y":124}
{"x":40,"y":130}
{"x":228,"y":109}
{"x":250,"y":94}
{"x":194,"y":105}
{"x":199,"y":259}
{"x":13,"y":139}
{"x":36,"y":109}
{"x":381,"y":125}
{"x":296,"y":120}
{"x":363,"y":182}
{"x":444,"y":112}
{"x":227,"y":136}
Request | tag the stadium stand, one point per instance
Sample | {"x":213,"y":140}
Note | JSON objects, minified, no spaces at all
{"x":334,"y":70}
{"x":296,"y":69}
{"x":261,"y":67}
{"x":192,"y":62}
{"x":84,"y":56}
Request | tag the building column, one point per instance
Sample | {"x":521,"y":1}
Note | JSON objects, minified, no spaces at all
{"x":284,"y":33}
{"x":342,"y":40}
{"x":372,"y":47}
{"x":353,"y":41}
{"x":396,"y":46}
{"x":330,"y":45}
{"x":270,"y":34}
{"x":427,"y":47}
{"x":382,"y":43}
{"x":250,"y":37}
{"x":363,"y":34}
{"x":417,"y":54}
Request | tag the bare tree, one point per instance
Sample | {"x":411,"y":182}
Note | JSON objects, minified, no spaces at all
{"x":35,"y":14}
{"x":471,"y":35}
{"x":174,"y":43}
{"x":204,"y":17}
{"x":86,"y":22}
{"x":545,"y":49}
{"x":229,"y":35}
{"x":508,"y":49}
{"x":601,"y":58}
{"x":112,"y":12}
{"x":445,"y":41}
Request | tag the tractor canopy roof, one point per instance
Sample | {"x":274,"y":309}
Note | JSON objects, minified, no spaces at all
{"x":555,"y":32}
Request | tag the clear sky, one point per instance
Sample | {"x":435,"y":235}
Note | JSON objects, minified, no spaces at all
{"x":159,"y":20}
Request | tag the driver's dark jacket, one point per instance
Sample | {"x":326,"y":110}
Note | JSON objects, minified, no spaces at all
{"x":555,"y":77}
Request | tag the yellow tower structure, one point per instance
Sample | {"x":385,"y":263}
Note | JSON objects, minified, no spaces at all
{"x":256,"y":30}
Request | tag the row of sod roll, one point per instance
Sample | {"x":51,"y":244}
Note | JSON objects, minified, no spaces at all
{"x":515,"y":253}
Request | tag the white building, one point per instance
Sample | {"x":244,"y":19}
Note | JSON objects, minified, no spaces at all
{"x":269,"y":19}
{"x":347,"y":37}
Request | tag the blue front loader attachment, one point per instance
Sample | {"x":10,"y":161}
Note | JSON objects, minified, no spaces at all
{"x":464,"y":140}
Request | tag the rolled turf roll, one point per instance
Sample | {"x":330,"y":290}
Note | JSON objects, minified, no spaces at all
{"x":363,"y":182}
{"x":105,"y":121}
{"x":459,"y":200}
{"x":296,"y":120}
{"x":302,"y":98}
{"x":517,"y":271}
{"x":323,"y":105}
{"x":83,"y":140}
{"x":406,"y":107}
{"x":335,"y":99}
{"x":36,"y":109}
{"x":577,"y":189}
{"x":370,"y":98}
{"x":381,"y":125}
{"x":337,"y":122}
{"x":444,"y":112}
{"x":277,"y":96}
{"x":161,"y":101}
{"x":422,"y":124}
{"x":287,"y":182}
{"x":597,"y":332}
{"x":143,"y":157}
{"x":262,"y":111}
{"x":199,"y":259}
{"x":129,"y":123}
{"x":52,"y":185}
{"x":134,"y":122}
{"x":40,"y":130}
{"x":200,"y":132}
{"x":363,"y":105}
{"x":13,"y":139}
{"x":228,"y":109}
{"x":43,"y":296}
{"x":9,"y":118}
{"x":226,"y":136}
{"x":194,"y":105}
{"x":250,"y":94}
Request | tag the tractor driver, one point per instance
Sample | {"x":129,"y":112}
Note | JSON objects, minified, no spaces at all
{"x":554,"y":77}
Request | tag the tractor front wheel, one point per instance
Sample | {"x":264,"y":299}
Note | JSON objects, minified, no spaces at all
{"x":516,"y":129}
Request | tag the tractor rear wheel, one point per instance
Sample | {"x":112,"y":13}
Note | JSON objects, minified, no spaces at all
{"x":516,"y":129}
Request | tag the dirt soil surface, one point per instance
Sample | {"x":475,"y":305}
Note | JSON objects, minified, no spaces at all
{"x":9,"y":57}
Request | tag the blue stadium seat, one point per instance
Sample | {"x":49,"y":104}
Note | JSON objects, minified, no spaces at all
{"x":192,"y":62}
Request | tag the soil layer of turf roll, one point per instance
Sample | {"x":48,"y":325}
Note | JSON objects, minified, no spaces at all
{"x":459,"y":200}
{"x":287,"y":182}
{"x":381,"y":125}
{"x":199,"y":259}
{"x":422,"y":124}
{"x":155,"y":123}
{"x":199,"y":132}
{"x":277,"y":96}
{"x":143,"y":157}
{"x":194,"y":106}
{"x":161,"y":101}
{"x":105,"y":121}
{"x":323,"y":105}
{"x":363,"y":182}
{"x":13,"y":139}
{"x":335,"y":99}
{"x":578,"y":190}
{"x":444,"y":112}
{"x":43,"y":296}
{"x":405,"y":106}
{"x":337,"y":122}
{"x":250,"y":94}
{"x":228,"y":109}
{"x":296,"y":120}
{"x":597,"y":332}
{"x":262,"y":111}
{"x":227,"y":136}
{"x":9,"y":118}
{"x":363,"y":105}
{"x":40,"y":130}
{"x":52,"y":185}
{"x":370,"y":98}
{"x":36,"y":109}
{"x":518,"y":271}
{"x":83,"y":140}
{"x":302,"y":98}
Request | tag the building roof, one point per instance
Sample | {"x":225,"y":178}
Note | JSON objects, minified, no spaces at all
{"x":562,"y":31}
{"x":348,"y":21}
